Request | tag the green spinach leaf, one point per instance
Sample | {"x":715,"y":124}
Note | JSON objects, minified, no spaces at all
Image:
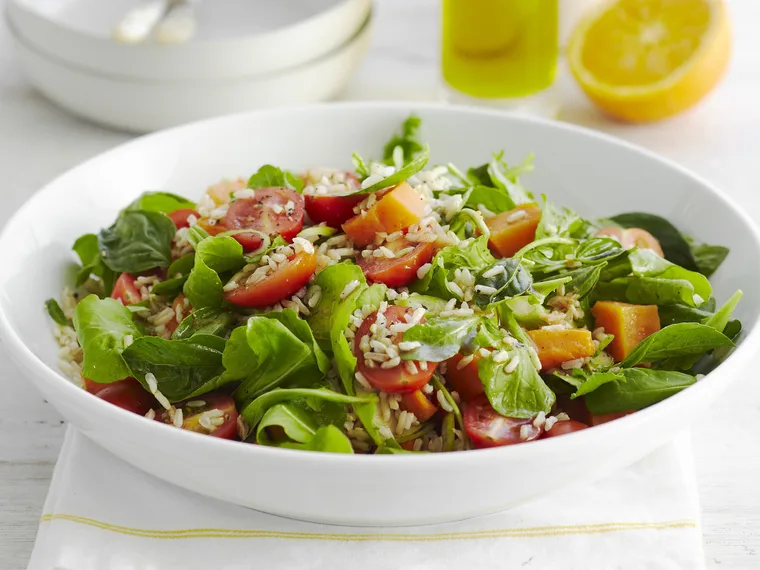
{"x":162,"y":202}
{"x":268,"y":176}
{"x":102,"y":326}
{"x":642,"y":388}
{"x":515,"y":391}
{"x":181,"y":367}
{"x":709,"y":257}
{"x":208,"y":320}
{"x":86,"y":247}
{"x":511,"y":280}
{"x":213,"y":255}
{"x":681,"y":339}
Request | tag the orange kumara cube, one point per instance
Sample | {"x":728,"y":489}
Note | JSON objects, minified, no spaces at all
{"x":418,"y":404}
{"x":629,"y":323}
{"x":556,"y":347}
{"x":513,"y":230}
{"x":395,"y":210}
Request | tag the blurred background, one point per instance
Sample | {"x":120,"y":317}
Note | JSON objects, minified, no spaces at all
{"x":680,"y":77}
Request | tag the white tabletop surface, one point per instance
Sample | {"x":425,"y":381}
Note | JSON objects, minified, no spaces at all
{"x":720,"y":140}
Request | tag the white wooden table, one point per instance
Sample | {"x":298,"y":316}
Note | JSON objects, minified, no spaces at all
{"x":720,"y":140}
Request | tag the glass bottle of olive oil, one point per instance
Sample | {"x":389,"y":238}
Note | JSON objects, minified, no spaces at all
{"x":500,"y":49}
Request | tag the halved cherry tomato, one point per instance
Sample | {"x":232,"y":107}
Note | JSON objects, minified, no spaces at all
{"x":332,"y":210}
{"x":487,"y":428}
{"x":397,"y":379}
{"x":632,"y":237}
{"x":93,"y":387}
{"x":222,"y":411}
{"x":266,"y":212}
{"x":179,"y":302}
{"x":563,"y":427}
{"x":465,"y":380}
{"x":179,"y":217}
{"x":129,"y":395}
{"x":418,"y":404}
{"x":599,"y":419}
{"x":284,"y":282}
{"x":124,"y":290}
{"x":398,"y":271}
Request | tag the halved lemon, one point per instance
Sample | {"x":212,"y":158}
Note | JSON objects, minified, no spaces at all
{"x":646,"y":60}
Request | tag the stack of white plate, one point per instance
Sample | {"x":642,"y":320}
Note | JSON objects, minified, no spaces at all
{"x":246,"y":54}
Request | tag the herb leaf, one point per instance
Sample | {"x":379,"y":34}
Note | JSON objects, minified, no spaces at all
{"x":56,"y":313}
{"x":440,"y":337}
{"x":407,"y":171}
{"x":406,"y":139}
{"x":139,"y":240}
{"x":213,"y":255}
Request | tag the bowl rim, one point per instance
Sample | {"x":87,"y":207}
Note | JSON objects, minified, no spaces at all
{"x":151,"y":61}
{"x":711,"y":383}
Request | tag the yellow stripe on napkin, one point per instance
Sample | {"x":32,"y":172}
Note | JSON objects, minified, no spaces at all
{"x":367,"y":537}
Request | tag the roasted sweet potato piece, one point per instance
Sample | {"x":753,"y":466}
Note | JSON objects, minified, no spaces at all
{"x":513,"y":230}
{"x":629,"y":323}
{"x":557,"y":346}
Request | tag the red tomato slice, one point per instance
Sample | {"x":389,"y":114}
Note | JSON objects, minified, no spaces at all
{"x":599,"y":419}
{"x":398,"y":271}
{"x":465,"y":380}
{"x":179,"y":217}
{"x":397,"y":379}
{"x":193,"y":411}
{"x":332,"y":210}
{"x":563,"y":427}
{"x":129,"y":395}
{"x":276,"y":286}
{"x":124,"y":290}
{"x":179,"y":301}
{"x":487,"y":428}
{"x":93,"y":387}
{"x":266,"y":212}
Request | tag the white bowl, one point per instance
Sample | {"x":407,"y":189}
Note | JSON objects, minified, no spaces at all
{"x":146,"y":105}
{"x":593,"y":173}
{"x":236,"y":38}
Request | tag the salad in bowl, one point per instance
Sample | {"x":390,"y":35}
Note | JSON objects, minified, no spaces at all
{"x":397,"y":308}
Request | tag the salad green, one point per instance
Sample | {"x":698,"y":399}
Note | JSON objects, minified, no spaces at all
{"x":399,"y":308}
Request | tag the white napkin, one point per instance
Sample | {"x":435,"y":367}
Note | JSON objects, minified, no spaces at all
{"x":103,"y":514}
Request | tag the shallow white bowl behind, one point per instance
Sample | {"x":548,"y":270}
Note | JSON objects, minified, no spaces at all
{"x":235,"y":38}
{"x":148,"y":105}
{"x":591,"y":172}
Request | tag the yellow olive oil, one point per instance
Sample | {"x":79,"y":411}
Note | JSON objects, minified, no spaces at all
{"x":500,"y":48}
